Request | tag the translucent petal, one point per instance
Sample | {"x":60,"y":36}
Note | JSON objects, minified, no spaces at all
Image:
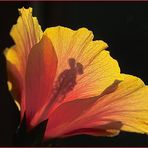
{"x":26,"y":33}
{"x":40,"y":73}
{"x":100,"y":70}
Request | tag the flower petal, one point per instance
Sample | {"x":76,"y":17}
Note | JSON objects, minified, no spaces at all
{"x":40,"y":73}
{"x":64,"y":120}
{"x":12,"y":57}
{"x":99,"y":69}
{"x":132,"y":108}
{"x":103,"y":71}
{"x":14,"y":72}
{"x":109,"y":129}
{"x":66,"y":114}
{"x":26,"y":33}
{"x":128,"y":105}
{"x":68,"y":43}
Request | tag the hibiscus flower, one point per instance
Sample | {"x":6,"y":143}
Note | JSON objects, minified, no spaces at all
{"x":63,"y":76}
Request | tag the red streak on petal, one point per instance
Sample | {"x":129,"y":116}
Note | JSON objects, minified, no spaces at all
{"x":40,"y":74}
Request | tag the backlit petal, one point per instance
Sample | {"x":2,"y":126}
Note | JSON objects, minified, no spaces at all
{"x":128,"y":105}
{"x":26,"y":33}
{"x":100,"y":69}
{"x":14,"y":72}
{"x":40,"y":73}
{"x":132,"y":108}
{"x":109,"y":129}
{"x":66,"y":120}
{"x":68,"y":43}
{"x":13,"y":57}
{"x":97,"y":77}
{"x":65,"y":114}
{"x":93,"y":132}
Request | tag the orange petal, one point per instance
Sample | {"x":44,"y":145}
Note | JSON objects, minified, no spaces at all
{"x":132,"y":107}
{"x":65,"y":114}
{"x":99,"y":75}
{"x":14,"y":72}
{"x":128,"y":105}
{"x":100,"y":69}
{"x":16,"y":80}
{"x":68,"y":43}
{"x":66,"y":120}
{"x":26,"y":33}
{"x":109,"y":129}
{"x":40,"y":73}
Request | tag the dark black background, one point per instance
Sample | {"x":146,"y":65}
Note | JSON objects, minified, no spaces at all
{"x":123,"y":25}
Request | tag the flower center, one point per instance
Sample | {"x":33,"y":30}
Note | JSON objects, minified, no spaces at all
{"x":66,"y":81}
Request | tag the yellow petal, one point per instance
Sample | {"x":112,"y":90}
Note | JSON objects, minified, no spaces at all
{"x":14,"y":72}
{"x":66,"y":119}
{"x":128,"y":105}
{"x":9,"y":84}
{"x":18,"y":105}
{"x":100,"y":69}
{"x":68,"y":43}
{"x":13,"y":57}
{"x":100,"y":74}
{"x":26,"y":33}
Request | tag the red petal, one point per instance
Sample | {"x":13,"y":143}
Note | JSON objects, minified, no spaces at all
{"x":66,"y":114}
{"x":40,"y":73}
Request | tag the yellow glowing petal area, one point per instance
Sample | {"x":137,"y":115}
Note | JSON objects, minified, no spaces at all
{"x":9,"y":84}
{"x":15,"y":71}
{"x":128,"y":105}
{"x":13,"y":57}
{"x":99,"y":69}
{"x":101,"y":73}
{"x":124,"y":109}
{"x":68,"y":43}
{"x":26,"y":33}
